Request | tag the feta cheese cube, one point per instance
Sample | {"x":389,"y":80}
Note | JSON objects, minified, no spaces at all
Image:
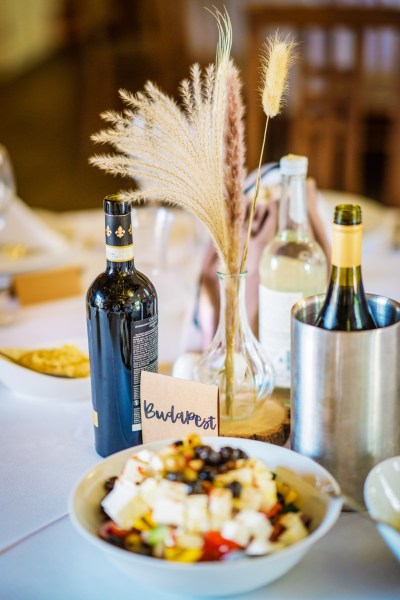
{"x":157,"y":464}
{"x":145,"y":456}
{"x":168,"y":512}
{"x":149,"y":491}
{"x":256,"y":523}
{"x":295,"y":529}
{"x":259,"y":547}
{"x":189,"y":540}
{"x":236,"y":532}
{"x":220,"y":506}
{"x":124,"y":505}
{"x":250,"y":498}
{"x":135,"y":470}
{"x":268,"y":491}
{"x":168,"y":506}
{"x":174,"y":490}
{"x":196,"y":515}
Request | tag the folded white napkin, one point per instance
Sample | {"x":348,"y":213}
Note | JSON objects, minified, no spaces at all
{"x":23,"y":226}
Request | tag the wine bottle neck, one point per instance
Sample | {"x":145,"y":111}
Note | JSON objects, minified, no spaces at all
{"x":346,"y":256}
{"x":347,"y":277}
{"x":346,"y":246}
{"x":293,"y":206}
{"x":113,"y":267}
{"x":119,"y":242}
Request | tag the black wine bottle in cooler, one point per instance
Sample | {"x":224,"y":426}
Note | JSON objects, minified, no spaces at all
{"x":122,"y":325}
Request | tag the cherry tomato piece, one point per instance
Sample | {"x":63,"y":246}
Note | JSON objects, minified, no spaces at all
{"x":111,"y":529}
{"x":215,"y":546}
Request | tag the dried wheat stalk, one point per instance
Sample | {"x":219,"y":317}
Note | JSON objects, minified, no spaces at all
{"x":277,"y":56}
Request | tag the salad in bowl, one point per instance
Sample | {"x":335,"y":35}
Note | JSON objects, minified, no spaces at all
{"x":203,"y":517}
{"x":188,"y":502}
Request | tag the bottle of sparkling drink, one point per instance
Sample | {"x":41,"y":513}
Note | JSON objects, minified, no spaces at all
{"x":122,"y":325}
{"x":292,"y":266}
{"x":346,"y":307}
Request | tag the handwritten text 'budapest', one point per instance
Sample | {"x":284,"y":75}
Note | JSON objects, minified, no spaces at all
{"x":185,"y":417}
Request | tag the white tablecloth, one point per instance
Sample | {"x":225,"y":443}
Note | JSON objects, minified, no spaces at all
{"x":46,"y":446}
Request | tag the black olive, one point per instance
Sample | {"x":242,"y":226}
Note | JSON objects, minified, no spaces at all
{"x":203,"y":452}
{"x":197,"y":450}
{"x":174,"y":476}
{"x":196,"y":487}
{"x":109,"y":484}
{"x":237,"y":454}
{"x":236,"y":488}
{"x":226,"y":453}
{"x":223,"y":468}
{"x":207,"y":473}
{"x":214,"y":458}
{"x":115,"y":540}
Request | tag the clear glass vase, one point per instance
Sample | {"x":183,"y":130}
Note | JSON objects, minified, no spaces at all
{"x":235,"y":360}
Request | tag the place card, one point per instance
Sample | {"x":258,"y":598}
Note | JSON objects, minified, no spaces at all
{"x":172,"y":408}
{"x":45,"y":286}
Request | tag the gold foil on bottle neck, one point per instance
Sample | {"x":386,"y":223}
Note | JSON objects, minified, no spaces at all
{"x":346,"y":245}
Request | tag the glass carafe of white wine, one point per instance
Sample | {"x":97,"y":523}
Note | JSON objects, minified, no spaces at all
{"x":292,"y":266}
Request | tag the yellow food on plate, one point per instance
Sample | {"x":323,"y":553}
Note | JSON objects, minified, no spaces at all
{"x":66,"y":360}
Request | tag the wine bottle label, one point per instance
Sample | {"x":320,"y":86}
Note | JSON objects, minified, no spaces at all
{"x":119,"y":241}
{"x":346,"y":245}
{"x":274,"y":330}
{"x":144,"y":358}
{"x":119,"y":253}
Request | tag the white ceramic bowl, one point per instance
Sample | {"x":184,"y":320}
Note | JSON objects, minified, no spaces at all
{"x":31,"y":384}
{"x":208,"y":578}
{"x":382,"y":499}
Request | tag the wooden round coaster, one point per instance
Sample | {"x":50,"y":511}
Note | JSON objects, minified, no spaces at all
{"x":270,"y":423}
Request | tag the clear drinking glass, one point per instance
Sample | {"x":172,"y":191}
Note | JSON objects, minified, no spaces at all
{"x":151,"y":231}
{"x":7,"y":184}
{"x":8,"y":307}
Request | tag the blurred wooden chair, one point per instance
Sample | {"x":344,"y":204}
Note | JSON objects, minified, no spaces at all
{"x":329,"y":100}
{"x":123,"y":43}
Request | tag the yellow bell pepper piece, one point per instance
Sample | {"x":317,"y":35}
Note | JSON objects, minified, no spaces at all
{"x":145,"y":523}
{"x":291,"y":497}
{"x":188,"y":555}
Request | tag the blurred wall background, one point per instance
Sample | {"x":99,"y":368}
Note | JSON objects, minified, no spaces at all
{"x":63,"y":61}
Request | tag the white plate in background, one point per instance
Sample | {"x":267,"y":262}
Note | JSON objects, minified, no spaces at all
{"x":382,"y":499}
{"x":30,"y":384}
{"x":373,"y":213}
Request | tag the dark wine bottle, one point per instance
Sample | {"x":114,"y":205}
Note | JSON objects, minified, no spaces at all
{"x":346,"y":307}
{"x":122,"y":325}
